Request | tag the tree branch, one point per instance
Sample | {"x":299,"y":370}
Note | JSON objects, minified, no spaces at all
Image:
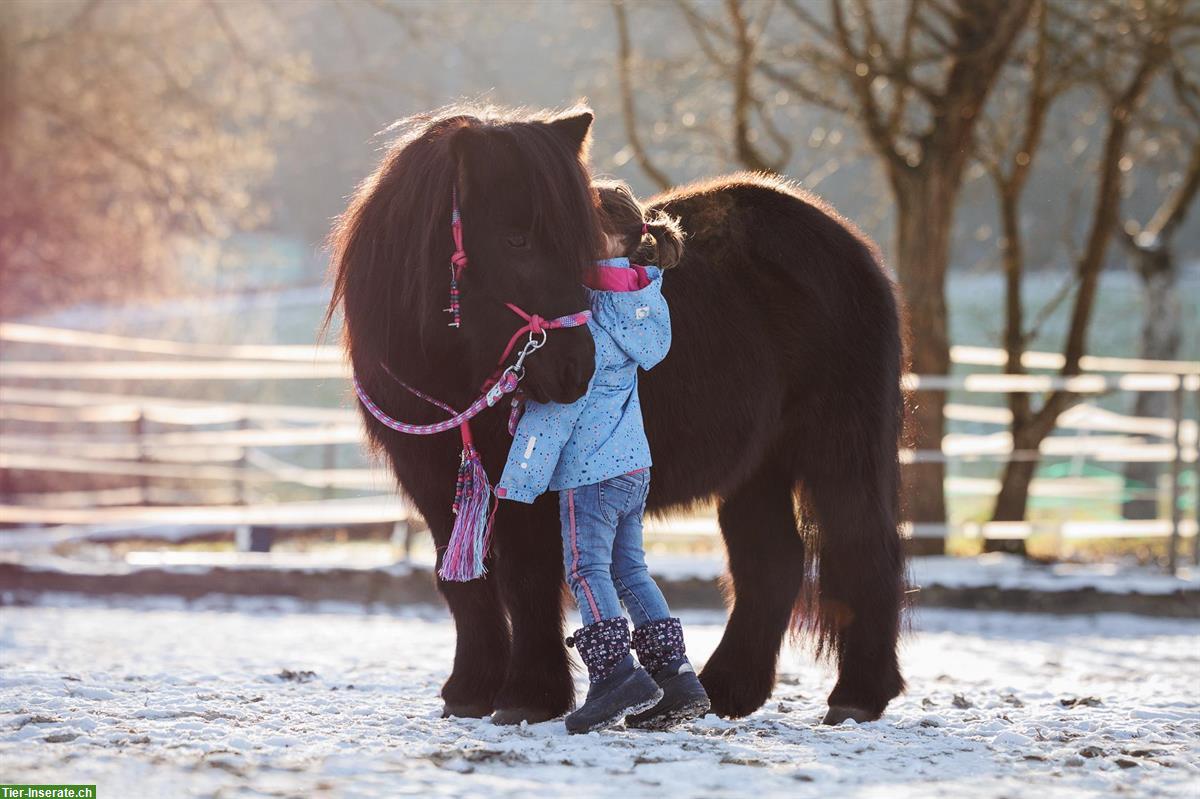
{"x":702,"y":27}
{"x":861,"y":78}
{"x":1173,"y":210}
{"x":628,"y":107}
{"x":1104,"y":222}
{"x":806,"y":92}
{"x":744,"y":100}
{"x":808,"y":20}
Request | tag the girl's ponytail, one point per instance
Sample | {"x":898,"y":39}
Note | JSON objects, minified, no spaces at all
{"x":666,"y":234}
{"x":648,"y":236}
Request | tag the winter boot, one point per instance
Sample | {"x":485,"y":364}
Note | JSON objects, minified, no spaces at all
{"x":659,"y":646}
{"x":618,"y":685}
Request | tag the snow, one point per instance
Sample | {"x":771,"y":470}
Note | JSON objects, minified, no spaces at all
{"x":157,"y":697}
{"x":997,"y":570}
{"x":1012,"y":571}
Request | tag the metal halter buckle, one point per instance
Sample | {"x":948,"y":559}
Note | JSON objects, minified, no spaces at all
{"x":532,"y":345}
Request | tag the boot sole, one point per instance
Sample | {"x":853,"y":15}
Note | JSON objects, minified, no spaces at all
{"x":688,"y":704}
{"x":692,"y":709}
{"x":616,"y":717}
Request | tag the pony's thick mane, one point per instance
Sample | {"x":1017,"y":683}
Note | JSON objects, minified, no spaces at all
{"x":382,"y":242}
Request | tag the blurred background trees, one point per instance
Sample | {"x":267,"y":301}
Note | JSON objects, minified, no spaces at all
{"x":918,"y":79}
{"x":1108,"y":55}
{"x":129,"y":129}
{"x":994,"y":148}
{"x":914,"y":78}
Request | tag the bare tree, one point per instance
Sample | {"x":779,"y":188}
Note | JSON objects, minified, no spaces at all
{"x":1114,"y":51}
{"x":914,"y":76}
{"x":629,"y":113}
{"x":125,"y":127}
{"x":1152,"y":251}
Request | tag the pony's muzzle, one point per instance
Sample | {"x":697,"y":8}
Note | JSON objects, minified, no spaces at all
{"x":577,"y":373}
{"x":560,"y":378}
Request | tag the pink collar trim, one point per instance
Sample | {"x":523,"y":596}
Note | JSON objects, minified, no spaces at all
{"x":617,"y":278}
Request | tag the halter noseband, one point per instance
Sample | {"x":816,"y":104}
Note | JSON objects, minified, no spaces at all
{"x":474,"y":505}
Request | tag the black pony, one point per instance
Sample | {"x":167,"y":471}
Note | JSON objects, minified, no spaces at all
{"x":782,"y":386}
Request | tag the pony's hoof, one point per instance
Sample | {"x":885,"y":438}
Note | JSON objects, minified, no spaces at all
{"x":839,"y":713}
{"x":735,"y":694}
{"x":510,"y":716}
{"x":464,"y":710}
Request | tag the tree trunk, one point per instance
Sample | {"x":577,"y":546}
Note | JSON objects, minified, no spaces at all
{"x":1161,"y":336}
{"x":1012,"y":501}
{"x":1028,"y":435}
{"x":925,"y":211}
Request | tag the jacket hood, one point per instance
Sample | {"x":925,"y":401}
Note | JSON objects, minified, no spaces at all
{"x":637,"y":320}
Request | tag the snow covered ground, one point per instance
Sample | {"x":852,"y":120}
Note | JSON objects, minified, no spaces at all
{"x":995,"y":569}
{"x":270,"y":698}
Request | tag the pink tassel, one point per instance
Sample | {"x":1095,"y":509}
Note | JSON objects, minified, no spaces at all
{"x":474,"y":509}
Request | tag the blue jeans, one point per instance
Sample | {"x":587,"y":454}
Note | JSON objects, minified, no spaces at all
{"x":602,"y":550}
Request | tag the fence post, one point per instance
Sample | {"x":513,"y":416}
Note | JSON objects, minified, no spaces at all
{"x":139,"y":435}
{"x":329,"y":463}
{"x":252,"y":538}
{"x":1176,"y":474}
{"x":1196,"y":480}
{"x":241,"y":488}
{"x":402,"y":535}
{"x":261,"y":539}
{"x":7,"y":491}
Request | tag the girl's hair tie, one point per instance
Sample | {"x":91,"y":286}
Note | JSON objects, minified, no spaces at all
{"x":645,"y":228}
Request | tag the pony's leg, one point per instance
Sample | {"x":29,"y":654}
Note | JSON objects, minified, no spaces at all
{"x":529,"y":573}
{"x":766,"y":567}
{"x":861,"y":584}
{"x":482,"y":648}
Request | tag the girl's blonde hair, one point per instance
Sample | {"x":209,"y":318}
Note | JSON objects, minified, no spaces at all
{"x":648,"y":235}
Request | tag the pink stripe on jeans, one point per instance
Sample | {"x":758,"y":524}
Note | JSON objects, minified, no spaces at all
{"x":587,"y":589}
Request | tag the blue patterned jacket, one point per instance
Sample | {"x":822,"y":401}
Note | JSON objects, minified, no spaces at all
{"x":600,"y":435}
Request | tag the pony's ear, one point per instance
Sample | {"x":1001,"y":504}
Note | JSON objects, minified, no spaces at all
{"x":575,"y":129}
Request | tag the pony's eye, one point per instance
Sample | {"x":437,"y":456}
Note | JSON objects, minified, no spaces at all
{"x":516,"y":241}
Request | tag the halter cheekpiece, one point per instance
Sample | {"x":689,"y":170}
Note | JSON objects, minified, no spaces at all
{"x":458,"y":260}
{"x":475,"y":502}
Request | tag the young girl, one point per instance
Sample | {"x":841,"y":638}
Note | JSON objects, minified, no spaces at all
{"x":594,"y":453}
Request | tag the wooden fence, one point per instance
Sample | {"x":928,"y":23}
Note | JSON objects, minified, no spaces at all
{"x":158,"y":439}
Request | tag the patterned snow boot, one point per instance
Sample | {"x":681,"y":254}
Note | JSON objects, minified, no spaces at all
{"x":618,"y":686}
{"x":659,"y":646}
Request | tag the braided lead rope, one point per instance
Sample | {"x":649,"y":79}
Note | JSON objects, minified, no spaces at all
{"x":506,"y":385}
{"x":418,"y":393}
{"x":495,"y":387}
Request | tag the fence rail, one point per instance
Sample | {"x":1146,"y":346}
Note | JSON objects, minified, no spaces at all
{"x":240,"y":457}
{"x":961,"y":354}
